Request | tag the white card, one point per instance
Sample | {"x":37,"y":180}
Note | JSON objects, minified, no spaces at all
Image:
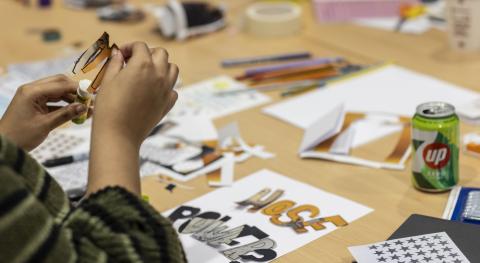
{"x":231,"y":238}
{"x":434,"y":248}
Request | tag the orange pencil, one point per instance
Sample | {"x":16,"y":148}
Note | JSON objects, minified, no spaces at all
{"x":309,"y":76}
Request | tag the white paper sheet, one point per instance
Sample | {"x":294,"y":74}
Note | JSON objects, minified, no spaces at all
{"x":222,"y":202}
{"x":200,"y":99}
{"x":390,"y":89}
{"x":415,"y":26}
{"x":435,"y":248}
{"x":195,"y":129}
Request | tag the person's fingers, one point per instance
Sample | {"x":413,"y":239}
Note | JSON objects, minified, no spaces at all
{"x":64,"y":114}
{"x":136,"y":52}
{"x":172,"y":98}
{"x":69,"y":97}
{"x":53,"y":108}
{"x":54,"y":78}
{"x":173,"y":74}
{"x":160,"y":58}
{"x":115,"y":64}
{"x":51,"y":90}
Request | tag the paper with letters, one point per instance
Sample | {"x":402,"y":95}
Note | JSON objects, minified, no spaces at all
{"x":434,"y":248}
{"x":222,"y":202}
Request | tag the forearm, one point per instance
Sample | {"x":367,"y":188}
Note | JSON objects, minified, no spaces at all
{"x":114,"y":161}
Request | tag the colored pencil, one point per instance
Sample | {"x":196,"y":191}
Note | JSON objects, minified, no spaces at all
{"x":265,"y":59}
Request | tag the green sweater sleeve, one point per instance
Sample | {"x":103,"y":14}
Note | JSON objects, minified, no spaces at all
{"x":38,"y":224}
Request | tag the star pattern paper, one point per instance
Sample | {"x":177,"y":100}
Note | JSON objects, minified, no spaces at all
{"x":430,"y":248}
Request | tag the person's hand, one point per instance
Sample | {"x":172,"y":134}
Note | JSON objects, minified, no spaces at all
{"x":28,"y":119}
{"x":134,"y":98}
{"x":130,"y":102}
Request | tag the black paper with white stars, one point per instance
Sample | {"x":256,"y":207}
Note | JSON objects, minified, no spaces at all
{"x":431,"y":248}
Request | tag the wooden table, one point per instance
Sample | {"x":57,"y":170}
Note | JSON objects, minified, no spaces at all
{"x":390,"y":193}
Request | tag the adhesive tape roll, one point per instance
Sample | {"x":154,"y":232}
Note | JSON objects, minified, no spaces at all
{"x":273,"y":19}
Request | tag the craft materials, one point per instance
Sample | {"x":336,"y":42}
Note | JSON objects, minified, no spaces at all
{"x":65,"y":160}
{"x":272,"y":87}
{"x":463,"y":24}
{"x":471,"y":144}
{"x":266,"y":19}
{"x":95,"y":55}
{"x":181,"y":20}
{"x":333,"y":135}
{"x":120,"y":13}
{"x":286,"y":214}
{"x":433,"y":247}
{"x":465,"y":236}
{"x":463,"y":205}
{"x":435,"y":140}
{"x":61,"y":143}
{"x":346,"y":10}
{"x":291,"y":65}
{"x":83,"y":97}
{"x":265,"y":59}
{"x":201,"y":99}
{"x":408,"y":12}
{"x":401,"y":91}
{"x":51,"y":35}
{"x":301,"y":89}
{"x":169,"y":181}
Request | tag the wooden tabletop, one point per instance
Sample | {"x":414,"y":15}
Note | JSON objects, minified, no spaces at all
{"x":390,"y":193}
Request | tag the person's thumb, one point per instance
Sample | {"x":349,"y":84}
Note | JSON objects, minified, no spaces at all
{"x":62,"y":115}
{"x":115,"y":64}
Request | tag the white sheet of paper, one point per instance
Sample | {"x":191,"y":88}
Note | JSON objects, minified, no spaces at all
{"x":390,"y":89}
{"x":325,"y":127}
{"x":195,"y":129}
{"x":200,"y":99}
{"x":415,"y":26}
{"x":223,"y":201}
{"x":435,"y":248}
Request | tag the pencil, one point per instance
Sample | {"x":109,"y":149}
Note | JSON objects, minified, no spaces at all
{"x":292,"y":72}
{"x":264,"y":59}
{"x":297,"y":64}
{"x":309,"y":76}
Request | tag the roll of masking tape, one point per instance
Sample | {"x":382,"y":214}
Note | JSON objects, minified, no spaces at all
{"x":273,"y":19}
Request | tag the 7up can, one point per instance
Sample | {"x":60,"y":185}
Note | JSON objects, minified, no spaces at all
{"x":435,"y":147}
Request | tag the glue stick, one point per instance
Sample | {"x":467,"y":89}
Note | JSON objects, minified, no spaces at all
{"x":83,"y":97}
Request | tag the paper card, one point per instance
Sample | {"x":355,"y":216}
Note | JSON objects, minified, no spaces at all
{"x":435,"y":248}
{"x":325,"y":127}
{"x":243,"y":234}
{"x":200,"y":99}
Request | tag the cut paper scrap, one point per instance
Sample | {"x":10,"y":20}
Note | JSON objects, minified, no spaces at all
{"x":331,"y":138}
{"x":229,"y":139}
{"x":225,"y":175}
{"x":215,"y":229}
{"x":200,"y":99}
{"x":471,"y":144}
{"x":435,"y":248}
{"x":388,"y":89}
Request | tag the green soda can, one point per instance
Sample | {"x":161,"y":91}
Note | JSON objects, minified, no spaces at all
{"x":435,"y":138}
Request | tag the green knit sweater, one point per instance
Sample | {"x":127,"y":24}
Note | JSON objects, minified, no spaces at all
{"x":38,"y":224}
